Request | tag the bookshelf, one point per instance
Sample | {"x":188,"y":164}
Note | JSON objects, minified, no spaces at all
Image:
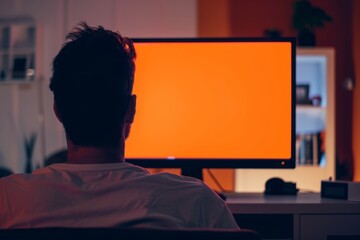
{"x":315,"y":127}
{"x":310,"y":135}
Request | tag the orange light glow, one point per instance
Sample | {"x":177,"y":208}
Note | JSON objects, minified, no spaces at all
{"x":212,"y":100}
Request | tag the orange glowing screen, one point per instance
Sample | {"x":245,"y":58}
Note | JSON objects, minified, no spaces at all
{"x":212,"y":100}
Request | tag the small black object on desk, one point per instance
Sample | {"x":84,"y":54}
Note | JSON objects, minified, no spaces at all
{"x":277,"y":186}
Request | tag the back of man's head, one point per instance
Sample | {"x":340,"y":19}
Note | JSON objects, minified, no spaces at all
{"x":92,"y":82}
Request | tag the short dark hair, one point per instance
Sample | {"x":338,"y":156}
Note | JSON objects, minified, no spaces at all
{"x":93,"y":76}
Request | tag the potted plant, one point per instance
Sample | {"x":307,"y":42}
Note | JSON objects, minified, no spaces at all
{"x":306,"y":19}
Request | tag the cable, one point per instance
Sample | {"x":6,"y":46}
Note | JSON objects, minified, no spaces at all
{"x":212,"y":176}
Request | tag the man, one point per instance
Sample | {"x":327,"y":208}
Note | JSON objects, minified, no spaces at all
{"x":92,"y":83}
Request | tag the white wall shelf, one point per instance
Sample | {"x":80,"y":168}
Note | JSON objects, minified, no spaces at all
{"x":17,"y":51}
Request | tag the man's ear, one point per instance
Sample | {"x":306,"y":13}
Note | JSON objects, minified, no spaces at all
{"x":56,"y":111}
{"x":130,"y":114}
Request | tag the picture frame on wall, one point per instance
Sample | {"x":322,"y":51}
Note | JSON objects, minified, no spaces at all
{"x":302,"y":94}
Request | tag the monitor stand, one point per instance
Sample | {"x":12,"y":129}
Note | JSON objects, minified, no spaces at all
{"x":191,"y":171}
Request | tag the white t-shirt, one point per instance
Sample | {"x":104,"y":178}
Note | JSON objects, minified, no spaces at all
{"x":108,"y":195}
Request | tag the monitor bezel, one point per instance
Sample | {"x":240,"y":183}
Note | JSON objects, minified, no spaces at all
{"x":226,"y":162}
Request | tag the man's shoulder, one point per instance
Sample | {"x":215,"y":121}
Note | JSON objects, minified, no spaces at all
{"x":169,"y":182}
{"x":166,"y":176}
{"x":15,"y":177}
{"x":14,"y":181}
{"x":22,"y":179}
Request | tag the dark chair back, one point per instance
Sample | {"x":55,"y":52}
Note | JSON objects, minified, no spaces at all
{"x":4,"y":172}
{"x":126,"y":234}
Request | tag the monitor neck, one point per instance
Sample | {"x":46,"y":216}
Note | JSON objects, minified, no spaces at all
{"x":191,"y":171}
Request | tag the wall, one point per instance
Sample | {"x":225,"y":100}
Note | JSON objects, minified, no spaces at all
{"x":213,"y":18}
{"x":356,"y":99}
{"x":339,"y":35}
{"x":251,"y":18}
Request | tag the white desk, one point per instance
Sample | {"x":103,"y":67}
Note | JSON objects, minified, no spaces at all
{"x":302,"y":217}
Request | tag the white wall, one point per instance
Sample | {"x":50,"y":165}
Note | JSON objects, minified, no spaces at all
{"x":22,"y":102}
{"x":20,"y":106}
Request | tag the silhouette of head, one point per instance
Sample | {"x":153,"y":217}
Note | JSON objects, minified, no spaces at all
{"x":92,"y":82}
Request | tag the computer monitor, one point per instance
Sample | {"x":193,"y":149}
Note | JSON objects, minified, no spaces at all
{"x":214,"y":103}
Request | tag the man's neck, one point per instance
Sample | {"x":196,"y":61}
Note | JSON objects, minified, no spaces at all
{"x":94,"y":155}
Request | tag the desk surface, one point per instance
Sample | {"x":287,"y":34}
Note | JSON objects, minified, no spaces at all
{"x":302,"y":203}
